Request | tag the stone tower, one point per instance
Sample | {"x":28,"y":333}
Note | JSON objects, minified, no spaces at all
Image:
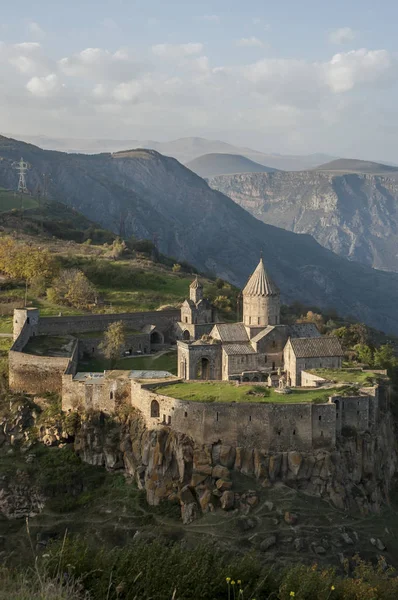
{"x":261,"y":300}
{"x":196,"y":291}
{"x":28,"y":317}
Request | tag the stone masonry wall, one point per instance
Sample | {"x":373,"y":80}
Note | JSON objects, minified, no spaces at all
{"x":36,"y":374}
{"x":164,"y":320}
{"x":276,"y":427}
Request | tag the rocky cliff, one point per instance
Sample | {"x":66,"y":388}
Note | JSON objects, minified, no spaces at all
{"x":355,"y":215}
{"x":357,"y":476}
{"x":149,"y":195}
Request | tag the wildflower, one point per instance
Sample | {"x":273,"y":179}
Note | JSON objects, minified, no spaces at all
{"x":232,"y":582}
{"x":227,"y":579}
{"x":239,"y":582}
{"x":332,"y":588}
{"x":292,"y":594}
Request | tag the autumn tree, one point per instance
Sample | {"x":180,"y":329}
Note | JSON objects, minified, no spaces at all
{"x":72,"y":288}
{"x":114,"y":342}
{"x":364,"y":354}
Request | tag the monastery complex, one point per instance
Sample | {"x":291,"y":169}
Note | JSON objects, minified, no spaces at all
{"x":258,"y":351}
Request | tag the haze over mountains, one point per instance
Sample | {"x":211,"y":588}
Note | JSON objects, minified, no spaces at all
{"x":210,"y":165}
{"x":149,"y":195}
{"x":350,"y":207}
{"x":183,"y":149}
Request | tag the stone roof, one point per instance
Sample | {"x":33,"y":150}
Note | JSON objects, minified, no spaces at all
{"x":304,"y":330}
{"x":263,"y":333}
{"x":237,"y":349}
{"x":231,"y":332}
{"x":148,"y":328}
{"x":188,"y":302}
{"x":195,"y":284}
{"x":260,"y":284}
{"x":314,"y":347}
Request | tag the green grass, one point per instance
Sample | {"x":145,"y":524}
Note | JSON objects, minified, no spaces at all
{"x":229,"y":392}
{"x":5,"y":324}
{"x":10,"y":200}
{"x":346,"y":375}
{"x":45,"y":345}
{"x":165,"y":362}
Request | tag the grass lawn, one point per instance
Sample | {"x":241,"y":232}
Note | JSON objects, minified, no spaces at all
{"x":5,"y":324}
{"x":45,"y":345}
{"x":210,"y":391}
{"x":165,"y":362}
{"x":346,"y":375}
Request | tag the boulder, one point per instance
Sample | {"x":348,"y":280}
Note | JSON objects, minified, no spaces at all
{"x":189,"y":507}
{"x":227,"y":500}
{"x":294,"y":462}
{"x":223,"y":485}
{"x":268,"y":543}
{"x":204,"y":500}
{"x":197,"y":479}
{"x":269,"y":505}
{"x":347,"y":539}
{"x":220,"y":472}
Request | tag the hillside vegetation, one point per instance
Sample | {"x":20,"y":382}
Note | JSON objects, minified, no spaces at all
{"x":154,"y":197}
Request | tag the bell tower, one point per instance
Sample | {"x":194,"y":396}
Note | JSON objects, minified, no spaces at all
{"x":196,"y":291}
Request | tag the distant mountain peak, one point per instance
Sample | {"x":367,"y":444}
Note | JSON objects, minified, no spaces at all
{"x":211,"y":165}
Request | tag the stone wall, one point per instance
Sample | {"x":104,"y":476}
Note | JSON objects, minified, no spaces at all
{"x":191,"y":355}
{"x":96,"y":395}
{"x":238,"y":363}
{"x":294,"y":366}
{"x":89,"y":346}
{"x":274,"y":427}
{"x":164,"y":321}
{"x":311,"y":380}
{"x":352,"y":412}
{"x":36,"y":374}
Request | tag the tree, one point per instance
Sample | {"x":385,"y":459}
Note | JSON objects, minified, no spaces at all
{"x":118,"y":248}
{"x":176,"y":268}
{"x":114,"y":342}
{"x":384,"y":358}
{"x":72,"y":288}
{"x":364,"y":354}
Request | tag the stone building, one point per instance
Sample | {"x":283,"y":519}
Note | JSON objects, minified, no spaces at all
{"x":197,"y":314}
{"x":256,"y":347}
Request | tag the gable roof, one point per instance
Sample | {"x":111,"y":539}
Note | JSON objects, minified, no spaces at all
{"x":314,"y":347}
{"x":304,"y":330}
{"x":260,"y":284}
{"x":263,"y":333}
{"x":237,"y":349}
{"x":196,"y":284}
{"x":231,"y":332}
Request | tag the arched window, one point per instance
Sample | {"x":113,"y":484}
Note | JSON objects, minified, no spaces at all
{"x":186,"y":335}
{"x":155,"y":409}
{"x":111,"y":395}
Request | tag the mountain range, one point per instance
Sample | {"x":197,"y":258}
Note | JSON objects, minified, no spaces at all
{"x":350,"y":207}
{"x":183,"y":149}
{"x":143,"y":193}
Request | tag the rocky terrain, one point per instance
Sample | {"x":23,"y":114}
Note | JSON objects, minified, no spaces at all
{"x":322,"y":505}
{"x":353,"y":214}
{"x":146,"y":194}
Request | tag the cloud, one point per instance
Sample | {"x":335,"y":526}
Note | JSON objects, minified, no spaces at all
{"x":35,"y":30}
{"x":97,"y":63}
{"x":43,"y":87}
{"x":298,"y":105}
{"x":251,"y":42}
{"x":175,"y":51}
{"x":342,"y":35}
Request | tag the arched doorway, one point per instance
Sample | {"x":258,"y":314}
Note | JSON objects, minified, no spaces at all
{"x":186,"y":335}
{"x":156,"y":338}
{"x":155,"y":409}
{"x":203,"y":368}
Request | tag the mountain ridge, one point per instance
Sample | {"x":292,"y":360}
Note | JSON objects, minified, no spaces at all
{"x":210,"y":165}
{"x":155,"y":197}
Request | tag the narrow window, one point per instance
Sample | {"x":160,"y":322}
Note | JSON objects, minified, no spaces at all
{"x":111,"y":395}
{"x":273,"y":366}
{"x":265,"y":358}
{"x":164,"y":418}
{"x":357,"y":412}
{"x":93,"y":350}
{"x":337,"y":415}
{"x":169,"y":420}
{"x":273,"y":343}
{"x":321,"y":433}
{"x":258,"y":321}
{"x":185,"y":414}
{"x":28,"y":321}
{"x":250,"y":320}
{"x":250,"y":418}
{"x":294,"y":432}
{"x":217,"y":416}
{"x":320,"y":418}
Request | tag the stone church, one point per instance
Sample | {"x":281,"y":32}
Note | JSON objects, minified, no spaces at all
{"x":254,"y":349}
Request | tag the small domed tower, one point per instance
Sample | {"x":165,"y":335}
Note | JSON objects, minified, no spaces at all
{"x":196,"y":291}
{"x":261,"y":300}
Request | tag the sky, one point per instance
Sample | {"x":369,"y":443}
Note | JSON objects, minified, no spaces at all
{"x":291,"y":77}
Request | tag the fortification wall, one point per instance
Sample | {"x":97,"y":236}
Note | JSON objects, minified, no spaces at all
{"x":22,"y":339}
{"x":164,"y":320}
{"x":93,"y":395}
{"x":353,"y":412}
{"x":36,"y":374}
{"x":275,"y":427}
{"x":137,"y":342}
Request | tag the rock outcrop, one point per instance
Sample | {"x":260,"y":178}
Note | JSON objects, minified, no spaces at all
{"x":356,"y":476}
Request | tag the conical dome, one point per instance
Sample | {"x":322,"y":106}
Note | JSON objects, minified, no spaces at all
{"x":260,"y":284}
{"x":195,"y":284}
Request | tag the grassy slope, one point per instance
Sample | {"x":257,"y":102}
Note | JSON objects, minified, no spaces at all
{"x":346,"y":376}
{"x":10,"y":200}
{"x":229,"y":392}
